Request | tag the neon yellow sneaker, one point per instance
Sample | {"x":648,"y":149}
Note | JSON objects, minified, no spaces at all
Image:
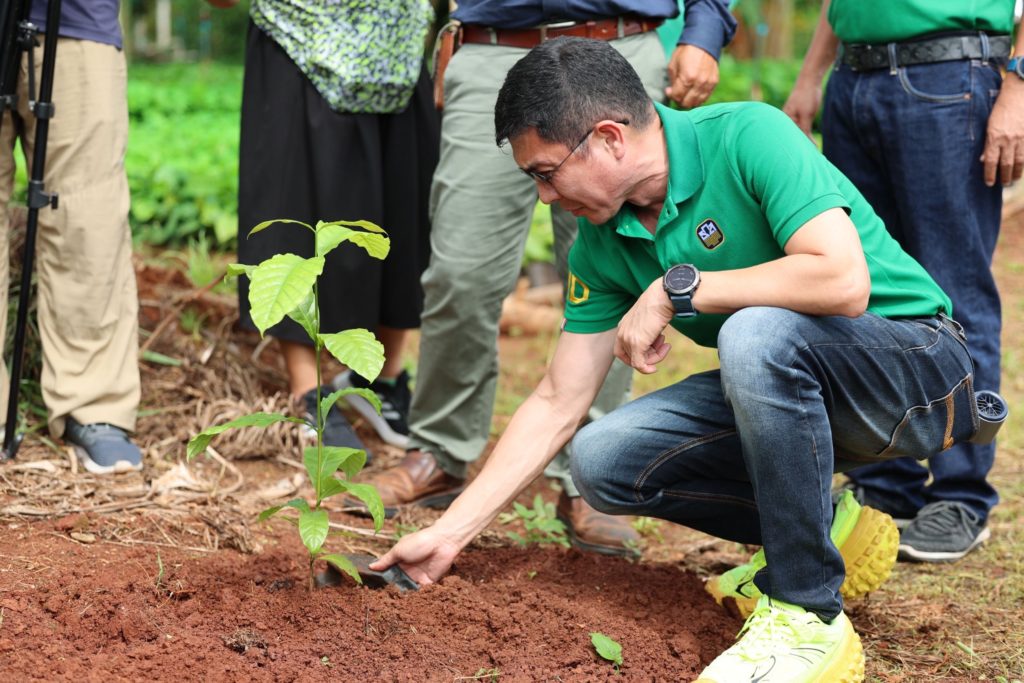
{"x":867,"y":539}
{"x":783,"y":643}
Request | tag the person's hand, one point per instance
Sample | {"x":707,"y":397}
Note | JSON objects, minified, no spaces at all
{"x":692,"y":75}
{"x":425,"y":556}
{"x":802,"y":106}
{"x":639,"y":342}
{"x":1004,"y":139}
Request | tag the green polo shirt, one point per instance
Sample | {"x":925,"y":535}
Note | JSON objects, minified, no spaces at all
{"x":742,"y":180}
{"x":884,"y":21}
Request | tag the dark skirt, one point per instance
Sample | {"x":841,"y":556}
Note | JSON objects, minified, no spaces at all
{"x":301,"y":160}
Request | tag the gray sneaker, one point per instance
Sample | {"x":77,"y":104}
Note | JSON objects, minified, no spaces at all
{"x":942,"y":532}
{"x":103,"y":448}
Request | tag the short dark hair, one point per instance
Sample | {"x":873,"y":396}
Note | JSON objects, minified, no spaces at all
{"x":563,"y":86}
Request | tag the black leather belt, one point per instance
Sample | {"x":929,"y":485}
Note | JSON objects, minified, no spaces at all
{"x":946,"y":48}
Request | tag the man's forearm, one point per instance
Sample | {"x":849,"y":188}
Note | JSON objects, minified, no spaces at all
{"x":537,"y":431}
{"x":821,"y":52}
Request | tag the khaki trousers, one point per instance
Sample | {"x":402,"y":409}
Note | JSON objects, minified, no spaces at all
{"x":88,"y":306}
{"x":481,"y":207}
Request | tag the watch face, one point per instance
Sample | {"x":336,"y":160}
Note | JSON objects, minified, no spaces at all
{"x":679,"y":279}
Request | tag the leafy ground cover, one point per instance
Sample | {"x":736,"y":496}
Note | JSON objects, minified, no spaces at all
{"x":182,"y":159}
{"x":165,"y":574}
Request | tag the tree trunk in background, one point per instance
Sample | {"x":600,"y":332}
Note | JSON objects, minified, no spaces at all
{"x":163,"y":26}
{"x":126,"y":28}
{"x":778,"y":15}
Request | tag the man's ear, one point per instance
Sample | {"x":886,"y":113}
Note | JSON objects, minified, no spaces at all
{"x":612,"y":134}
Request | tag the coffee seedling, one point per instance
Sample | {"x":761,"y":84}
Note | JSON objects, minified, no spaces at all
{"x":286,"y":285}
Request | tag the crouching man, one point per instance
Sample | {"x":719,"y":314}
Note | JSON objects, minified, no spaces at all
{"x":836,"y":349}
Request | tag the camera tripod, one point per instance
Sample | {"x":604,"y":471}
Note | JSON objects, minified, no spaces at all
{"x":17,"y":35}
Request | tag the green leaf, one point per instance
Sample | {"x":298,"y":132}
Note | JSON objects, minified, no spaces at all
{"x":368,"y":494}
{"x":279,"y":285}
{"x":330,"y":235}
{"x":365,"y":225}
{"x":345,"y":565}
{"x":516,"y":537}
{"x":370,"y":395}
{"x":607,"y":648}
{"x":225,"y":227}
{"x":358,"y":349}
{"x":330,"y":486}
{"x":296,"y":503}
{"x":299,"y":504}
{"x":159,"y":358}
{"x":236,"y":269}
{"x":313,"y":527}
{"x":269,"y":512}
{"x":305,"y":314}
{"x":266,"y":224}
{"x":200,"y":441}
{"x":349,"y":459}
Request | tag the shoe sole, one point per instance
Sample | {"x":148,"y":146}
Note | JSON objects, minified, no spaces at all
{"x":439,"y":501}
{"x":869,"y":554}
{"x":911,"y":554}
{"x":369,"y":413}
{"x":119,"y":467}
{"x":580,"y":544}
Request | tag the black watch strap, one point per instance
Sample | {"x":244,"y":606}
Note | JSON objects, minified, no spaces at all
{"x":683,"y":303}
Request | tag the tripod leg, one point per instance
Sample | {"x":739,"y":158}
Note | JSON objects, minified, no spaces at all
{"x":37,"y":199}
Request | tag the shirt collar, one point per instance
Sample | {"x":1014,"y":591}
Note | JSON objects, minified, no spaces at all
{"x":685,"y":172}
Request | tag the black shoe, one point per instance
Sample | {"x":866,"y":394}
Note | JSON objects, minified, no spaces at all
{"x":392,"y":423}
{"x":103,"y":448}
{"x":337,"y":430}
{"x":943,"y":531}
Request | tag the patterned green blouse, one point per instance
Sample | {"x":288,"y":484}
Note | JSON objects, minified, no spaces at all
{"x":362,"y":56}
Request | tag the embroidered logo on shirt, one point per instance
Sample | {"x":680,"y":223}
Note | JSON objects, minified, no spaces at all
{"x":710,"y":234}
{"x":578,"y":292}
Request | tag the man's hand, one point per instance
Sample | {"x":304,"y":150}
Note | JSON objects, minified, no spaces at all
{"x":692,"y":75}
{"x":802,"y":106}
{"x":640,"y":342}
{"x":1004,"y":139}
{"x":425,"y":556}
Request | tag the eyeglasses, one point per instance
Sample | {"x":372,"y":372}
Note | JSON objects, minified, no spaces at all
{"x":547,"y":176}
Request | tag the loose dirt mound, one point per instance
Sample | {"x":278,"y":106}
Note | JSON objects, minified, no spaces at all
{"x":102,"y":612}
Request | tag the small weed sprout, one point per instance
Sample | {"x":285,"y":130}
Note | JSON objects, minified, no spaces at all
{"x":540,"y":522}
{"x":286,"y":285}
{"x":608,"y":649}
{"x":649,"y":528}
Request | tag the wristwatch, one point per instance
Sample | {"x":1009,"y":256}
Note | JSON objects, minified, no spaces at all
{"x":1016,"y":65}
{"x":680,"y":282}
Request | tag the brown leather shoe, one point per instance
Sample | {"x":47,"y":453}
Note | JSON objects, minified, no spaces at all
{"x":595,"y":531}
{"x":417,"y":480}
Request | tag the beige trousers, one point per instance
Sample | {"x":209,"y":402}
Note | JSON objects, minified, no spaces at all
{"x":88,"y":306}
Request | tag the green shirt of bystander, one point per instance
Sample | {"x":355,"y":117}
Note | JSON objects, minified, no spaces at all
{"x":742,"y":180}
{"x":855,"y":21}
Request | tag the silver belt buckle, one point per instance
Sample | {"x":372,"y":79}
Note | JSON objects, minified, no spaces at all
{"x":558,"y":24}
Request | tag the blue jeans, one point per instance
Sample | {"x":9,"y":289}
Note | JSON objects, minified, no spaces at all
{"x":747,"y":452}
{"x":910,"y":141}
